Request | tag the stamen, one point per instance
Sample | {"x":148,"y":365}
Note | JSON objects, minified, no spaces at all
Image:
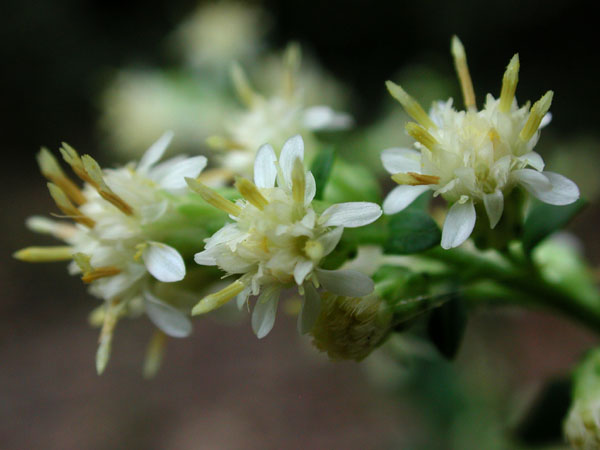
{"x":222,"y":143}
{"x":242,"y":86}
{"x":509,"y":84}
{"x":298,"y":181}
{"x":219,"y":175}
{"x":415,"y":179}
{"x":44,"y":254}
{"x":65,"y":205}
{"x":213,"y":198}
{"x":460,"y":62}
{"x":292,"y":60}
{"x":410,"y":105}
{"x":251,"y":193}
{"x":100,"y":272}
{"x":94,"y":171}
{"x":421,"y":135}
{"x":52,"y":171}
{"x":154,"y":354}
{"x":72,"y":158}
{"x":219,"y":298}
{"x":43,"y":225}
{"x":538,"y":111}
{"x":111,"y":317}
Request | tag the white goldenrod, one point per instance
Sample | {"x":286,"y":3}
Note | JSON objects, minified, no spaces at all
{"x":277,"y":239}
{"x":473,"y":157}
{"x":110,"y":244}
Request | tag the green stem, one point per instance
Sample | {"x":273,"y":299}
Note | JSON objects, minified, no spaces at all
{"x":471,"y":266}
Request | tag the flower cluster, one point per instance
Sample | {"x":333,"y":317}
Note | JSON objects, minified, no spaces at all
{"x":473,"y":157}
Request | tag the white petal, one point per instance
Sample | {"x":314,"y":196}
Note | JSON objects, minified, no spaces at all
{"x":265,"y":169}
{"x":545,"y":120}
{"x":534,"y":160}
{"x":330,"y":240}
{"x":265,"y":310}
{"x":351,"y":214}
{"x":302,"y":269}
{"x":348,"y":283}
{"x":458,"y":225}
{"x":563,"y":191}
{"x":292,"y":149}
{"x":163,"y":262}
{"x":535,"y":182}
{"x":170,"y":320}
{"x":397,"y":160}
{"x":155,"y":152}
{"x":325,"y":118}
{"x":207,"y":257}
{"x":153,"y":211}
{"x":400,"y":197}
{"x":242,"y":298}
{"x":310,"y":189}
{"x":311,"y":307}
{"x":189,"y":167}
{"x":494,"y":206}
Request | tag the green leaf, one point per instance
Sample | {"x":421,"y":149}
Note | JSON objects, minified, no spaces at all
{"x":321,"y":169}
{"x":543,"y":220}
{"x":447,"y":325}
{"x":412,"y":231}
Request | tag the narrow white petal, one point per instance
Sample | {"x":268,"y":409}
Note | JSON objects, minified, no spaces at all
{"x":242,"y":298}
{"x":349,"y":283}
{"x":155,"y":152}
{"x":534,"y":160}
{"x":206,"y":257}
{"x":545,"y":120}
{"x":311,"y":307}
{"x":163,"y":262}
{"x":494,"y":205}
{"x":324,"y":118}
{"x":397,"y":160}
{"x":330,"y":240}
{"x":535,"y":182}
{"x":459,"y":224}
{"x":153,"y":211}
{"x":292,"y":149}
{"x":563,"y":191}
{"x":400,"y":197}
{"x":310,"y":189}
{"x":189,"y":167}
{"x":351,"y":214}
{"x":265,"y":169}
{"x":302,"y":269}
{"x":265,"y":310}
{"x":170,"y":320}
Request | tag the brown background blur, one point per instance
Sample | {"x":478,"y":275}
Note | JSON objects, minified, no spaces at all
{"x":222,"y":388}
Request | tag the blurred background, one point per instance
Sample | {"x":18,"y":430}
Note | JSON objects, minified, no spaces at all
{"x":110,"y":77}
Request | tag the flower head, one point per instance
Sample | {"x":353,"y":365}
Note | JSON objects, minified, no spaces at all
{"x":272,"y":119}
{"x":277,"y":239}
{"x":473,"y":157}
{"x":111,"y":243}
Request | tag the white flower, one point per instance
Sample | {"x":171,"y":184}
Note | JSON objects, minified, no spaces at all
{"x":111,"y":245}
{"x":272,"y":119}
{"x":277,"y":239}
{"x":473,"y":157}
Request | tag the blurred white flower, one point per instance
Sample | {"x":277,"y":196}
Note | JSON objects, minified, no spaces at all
{"x":277,"y":239}
{"x":110,"y":244}
{"x":473,"y":157}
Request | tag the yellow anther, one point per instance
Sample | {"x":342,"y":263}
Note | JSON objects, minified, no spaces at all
{"x":538,"y":111}
{"x":251,"y":193}
{"x":460,"y":62}
{"x":52,"y":171}
{"x":72,"y":158}
{"x":410,"y":105}
{"x":415,"y":179}
{"x":100,"y":272}
{"x":509,"y":84}
{"x":292,"y":58}
{"x":111,"y":317}
{"x":213,"y":198}
{"x":242,"y":86}
{"x":421,"y":135}
{"x":222,"y":143}
{"x":65,"y":205}
{"x":44,"y":254}
{"x":92,"y":168}
{"x":216,"y":176}
{"x":154,"y":354}
{"x":298,"y":181}
{"x":219,"y":298}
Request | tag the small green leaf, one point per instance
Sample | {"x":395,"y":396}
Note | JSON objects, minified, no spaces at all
{"x":543,"y":220}
{"x":412,"y":231}
{"x":447,"y":325}
{"x":321,"y":169}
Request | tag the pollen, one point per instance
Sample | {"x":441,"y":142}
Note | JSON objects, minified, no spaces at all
{"x":100,"y":272}
{"x":251,"y":193}
{"x":538,"y":111}
{"x":52,"y":171}
{"x":65,"y":205}
{"x":421,"y":135}
{"x":415,"y":179}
